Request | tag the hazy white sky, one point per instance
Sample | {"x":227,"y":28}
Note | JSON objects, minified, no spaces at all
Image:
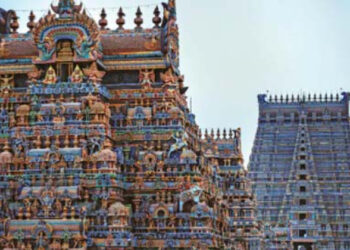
{"x":231,"y":50}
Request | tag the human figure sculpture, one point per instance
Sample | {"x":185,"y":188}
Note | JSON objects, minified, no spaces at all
{"x":180,"y":143}
{"x":95,"y":76}
{"x":58,"y":206}
{"x":41,"y":242}
{"x":238,"y":139}
{"x":168,"y":77}
{"x":93,"y":145}
{"x":83,"y":47}
{"x":50,"y":77}
{"x":146,"y":78}
{"x":59,"y":111}
{"x":47,"y":49}
{"x":35,"y":207}
{"x":77,"y":75}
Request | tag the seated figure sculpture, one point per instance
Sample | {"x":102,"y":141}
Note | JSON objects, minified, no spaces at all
{"x":50,"y":77}
{"x":77,"y":75}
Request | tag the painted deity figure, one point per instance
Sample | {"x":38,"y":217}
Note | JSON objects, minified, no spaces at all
{"x":7,"y":81}
{"x":173,"y":53}
{"x":238,"y":139}
{"x":41,"y":242}
{"x":94,"y":145}
{"x":147,"y":77}
{"x":83,"y":47}
{"x":47,"y":199}
{"x":20,"y":147}
{"x":35,"y":207}
{"x":50,"y":77}
{"x":180,"y":142}
{"x":77,"y":75}
{"x":59,"y":109}
{"x":32,"y":117}
{"x":66,"y":5}
{"x":95,"y":76}
{"x":168,"y":78}
{"x":66,"y":8}
{"x":47,"y":49}
{"x":58,"y":206}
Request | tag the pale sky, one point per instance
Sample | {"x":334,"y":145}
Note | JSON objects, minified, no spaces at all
{"x":232,"y":50}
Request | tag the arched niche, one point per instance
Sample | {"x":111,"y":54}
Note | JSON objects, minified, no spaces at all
{"x":65,"y":56}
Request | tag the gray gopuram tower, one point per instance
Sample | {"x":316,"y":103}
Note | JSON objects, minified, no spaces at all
{"x":300,"y":171}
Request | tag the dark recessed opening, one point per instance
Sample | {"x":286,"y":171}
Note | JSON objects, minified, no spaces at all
{"x":64,"y":72}
{"x":161,"y":214}
{"x":302,"y":202}
{"x":302,"y":233}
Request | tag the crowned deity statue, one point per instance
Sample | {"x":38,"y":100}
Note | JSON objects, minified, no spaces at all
{"x":66,"y":8}
{"x":77,"y":75}
{"x":84,"y":47}
{"x":47,"y":49}
{"x":180,"y":142}
{"x":50,"y":77}
{"x":66,"y":4}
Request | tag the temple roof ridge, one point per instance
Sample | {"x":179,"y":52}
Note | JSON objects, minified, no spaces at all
{"x":303,"y":98}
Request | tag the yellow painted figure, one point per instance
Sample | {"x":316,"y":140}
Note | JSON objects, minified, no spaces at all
{"x":77,"y":75}
{"x":50,"y":77}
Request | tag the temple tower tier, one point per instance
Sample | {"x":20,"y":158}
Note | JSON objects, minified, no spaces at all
{"x":300,"y":171}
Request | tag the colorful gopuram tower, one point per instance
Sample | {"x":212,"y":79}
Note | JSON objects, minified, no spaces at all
{"x":300,"y":169}
{"x":99,"y":149}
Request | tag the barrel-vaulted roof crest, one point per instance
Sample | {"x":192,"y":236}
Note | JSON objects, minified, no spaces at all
{"x":70,"y":24}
